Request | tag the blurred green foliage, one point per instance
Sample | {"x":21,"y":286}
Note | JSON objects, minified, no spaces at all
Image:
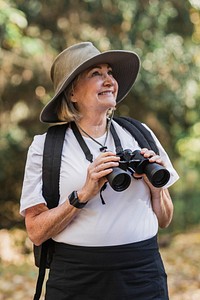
{"x":166,"y":96}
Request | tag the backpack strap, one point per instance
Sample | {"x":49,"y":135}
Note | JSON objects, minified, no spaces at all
{"x":139,"y":132}
{"x":42,"y":268}
{"x":118,"y":145}
{"x":51,"y":177}
{"x":51,"y":164}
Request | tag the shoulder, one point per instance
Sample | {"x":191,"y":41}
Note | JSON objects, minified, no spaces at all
{"x":133,"y":128}
{"x":121,"y":130}
{"x":37,"y":144}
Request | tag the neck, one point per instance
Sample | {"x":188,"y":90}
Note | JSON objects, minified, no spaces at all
{"x":95,"y":128}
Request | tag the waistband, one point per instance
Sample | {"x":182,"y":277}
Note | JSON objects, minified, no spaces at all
{"x":108,"y":254}
{"x":147,"y":244}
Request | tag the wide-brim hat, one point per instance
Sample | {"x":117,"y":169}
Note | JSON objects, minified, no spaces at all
{"x":78,"y":58}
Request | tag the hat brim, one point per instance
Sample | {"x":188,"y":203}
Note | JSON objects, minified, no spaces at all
{"x":125,"y":66}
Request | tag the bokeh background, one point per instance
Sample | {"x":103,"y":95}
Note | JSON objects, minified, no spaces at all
{"x":166,"y":96}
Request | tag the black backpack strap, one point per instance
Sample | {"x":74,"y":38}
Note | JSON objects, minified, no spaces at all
{"x":118,"y":145}
{"x":51,"y":177}
{"x":51,"y":164}
{"x":139,"y":132}
{"x":42,"y":270}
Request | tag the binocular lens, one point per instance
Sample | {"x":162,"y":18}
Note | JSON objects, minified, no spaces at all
{"x":160,"y":178}
{"x":119,"y":179}
{"x":157,"y":175}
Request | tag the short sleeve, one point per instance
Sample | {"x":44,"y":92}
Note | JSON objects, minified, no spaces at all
{"x":32,"y":184}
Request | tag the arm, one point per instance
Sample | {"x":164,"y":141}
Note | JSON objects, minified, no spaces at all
{"x":162,"y":206}
{"x":43,"y":223}
{"x":160,"y":198}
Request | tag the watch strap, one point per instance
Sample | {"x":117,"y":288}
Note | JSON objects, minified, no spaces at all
{"x":74,"y":200}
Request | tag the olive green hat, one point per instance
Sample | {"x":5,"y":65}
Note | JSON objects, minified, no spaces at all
{"x":78,"y":58}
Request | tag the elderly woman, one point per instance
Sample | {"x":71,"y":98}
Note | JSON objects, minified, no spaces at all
{"x":107,"y":251}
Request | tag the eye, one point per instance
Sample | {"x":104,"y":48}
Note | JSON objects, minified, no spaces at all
{"x":96,"y":73}
{"x":110,"y":72}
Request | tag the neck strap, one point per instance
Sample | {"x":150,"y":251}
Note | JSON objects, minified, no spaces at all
{"x":84,"y":147}
{"x":81,"y":142}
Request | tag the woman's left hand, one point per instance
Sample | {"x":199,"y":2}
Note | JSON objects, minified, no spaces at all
{"x":153,"y":158}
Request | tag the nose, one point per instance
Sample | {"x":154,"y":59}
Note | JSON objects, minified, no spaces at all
{"x":109,"y":80}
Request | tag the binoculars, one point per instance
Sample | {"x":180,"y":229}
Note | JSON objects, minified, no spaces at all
{"x":133,"y":161}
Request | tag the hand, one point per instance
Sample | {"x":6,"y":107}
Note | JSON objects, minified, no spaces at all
{"x":96,"y":174}
{"x":153,"y":158}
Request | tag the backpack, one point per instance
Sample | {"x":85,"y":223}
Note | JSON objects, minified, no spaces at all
{"x":50,"y":175}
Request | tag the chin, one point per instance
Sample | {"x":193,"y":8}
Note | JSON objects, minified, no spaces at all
{"x":107,"y":103}
{"x":112,"y":102}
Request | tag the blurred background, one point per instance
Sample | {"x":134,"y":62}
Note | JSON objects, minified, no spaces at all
{"x":166,"y":96}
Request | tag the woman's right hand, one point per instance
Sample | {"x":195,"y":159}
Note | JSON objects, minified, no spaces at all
{"x":96,"y":174}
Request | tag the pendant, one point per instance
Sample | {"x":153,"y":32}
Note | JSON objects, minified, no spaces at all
{"x":103,"y":149}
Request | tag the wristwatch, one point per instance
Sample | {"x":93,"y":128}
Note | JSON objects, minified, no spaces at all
{"x":73,"y":200}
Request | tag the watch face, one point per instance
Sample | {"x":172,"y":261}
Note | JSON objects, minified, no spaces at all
{"x":73,"y":200}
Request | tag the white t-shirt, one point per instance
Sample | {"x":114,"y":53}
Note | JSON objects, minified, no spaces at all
{"x":126,"y":217}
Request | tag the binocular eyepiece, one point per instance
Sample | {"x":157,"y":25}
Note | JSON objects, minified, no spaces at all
{"x":134,"y":161}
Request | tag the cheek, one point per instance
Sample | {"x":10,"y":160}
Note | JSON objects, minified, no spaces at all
{"x":79,"y":93}
{"x":87,"y":87}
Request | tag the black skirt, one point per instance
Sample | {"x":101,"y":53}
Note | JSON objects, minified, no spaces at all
{"x":126,"y":272}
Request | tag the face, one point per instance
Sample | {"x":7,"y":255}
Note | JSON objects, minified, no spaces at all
{"x":96,"y":90}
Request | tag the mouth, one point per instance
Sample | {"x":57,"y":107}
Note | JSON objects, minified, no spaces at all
{"x":108,"y":93}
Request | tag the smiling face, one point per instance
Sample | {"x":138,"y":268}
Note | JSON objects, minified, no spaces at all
{"x":96,"y":90}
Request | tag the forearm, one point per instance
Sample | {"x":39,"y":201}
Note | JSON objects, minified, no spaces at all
{"x":43,"y":223}
{"x":162,"y":206}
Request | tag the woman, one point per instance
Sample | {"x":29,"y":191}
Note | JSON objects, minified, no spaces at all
{"x":101,"y":251}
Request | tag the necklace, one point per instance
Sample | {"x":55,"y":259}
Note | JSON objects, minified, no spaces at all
{"x":103,"y":146}
{"x":76,"y":130}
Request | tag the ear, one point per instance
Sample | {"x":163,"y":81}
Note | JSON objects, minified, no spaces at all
{"x":73,"y":99}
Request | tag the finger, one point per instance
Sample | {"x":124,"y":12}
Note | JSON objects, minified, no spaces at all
{"x":105,"y":154}
{"x":105,"y":165}
{"x":107,"y":159}
{"x":154,"y":158}
{"x":136,"y":176}
{"x":143,"y":150}
{"x":149,"y":153}
{"x":157,"y":159}
{"x":146,"y":152}
{"x":98,"y":175}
